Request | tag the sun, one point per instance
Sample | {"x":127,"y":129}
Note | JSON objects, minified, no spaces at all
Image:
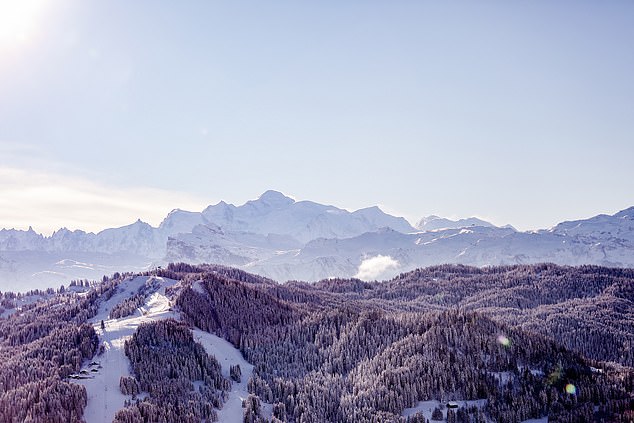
{"x":18,"y":20}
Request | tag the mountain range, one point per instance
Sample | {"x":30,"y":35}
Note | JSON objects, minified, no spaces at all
{"x":278,"y":237}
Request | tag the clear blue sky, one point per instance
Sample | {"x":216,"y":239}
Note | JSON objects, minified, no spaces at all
{"x":518,"y":112}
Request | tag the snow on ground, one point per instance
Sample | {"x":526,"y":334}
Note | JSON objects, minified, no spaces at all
{"x":227,"y":355}
{"x":23,"y":301}
{"x":534,"y":372}
{"x":102,"y":383}
{"x":198,"y":287}
{"x":427,"y":407}
{"x":101,"y":376}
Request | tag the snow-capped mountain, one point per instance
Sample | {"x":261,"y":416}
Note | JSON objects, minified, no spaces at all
{"x":15,"y":240}
{"x":138,"y":238}
{"x":618,"y":228}
{"x":281,"y":238}
{"x":222,"y":233}
{"x":431,"y":223}
{"x":275,"y":213}
{"x":181,"y":221}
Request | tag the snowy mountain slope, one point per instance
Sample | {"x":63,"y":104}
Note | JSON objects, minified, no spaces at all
{"x":102,"y":385}
{"x":227,"y":355}
{"x":137,"y":238}
{"x":343,"y":257}
{"x":618,"y":228}
{"x":67,"y":240}
{"x":211,"y":244}
{"x":101,"y":376}
{"x":432,"y":223}
{"x":26,"y":270}
{"x":17,"y":240}
{"x":180,"y":221}
{"x":377,"y":218}
{"x":604,"y":241}
{"x":275,"y":213}
{"x":208,"y":244}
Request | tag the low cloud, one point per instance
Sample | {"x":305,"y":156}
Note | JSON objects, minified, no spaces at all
{"x":377,"y":267}
{"x":48,"y":200}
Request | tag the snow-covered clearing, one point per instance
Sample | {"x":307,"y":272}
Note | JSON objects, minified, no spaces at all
{"x":22,"y":302}
{"x":198,"y":287}
{"x":534,"y":372}
{"x":427,"y":407}
{"x":227,"y":355}
{"x":104,"y":396}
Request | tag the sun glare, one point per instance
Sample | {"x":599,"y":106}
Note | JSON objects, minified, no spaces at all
{"x":18,"y":20}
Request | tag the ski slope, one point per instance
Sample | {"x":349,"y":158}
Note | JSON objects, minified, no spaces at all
{"x":104,"y":395}
{"x":102,"y":374}
{"x":227,"y":355}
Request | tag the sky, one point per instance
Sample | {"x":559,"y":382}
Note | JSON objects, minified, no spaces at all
{"x":517,"y":112}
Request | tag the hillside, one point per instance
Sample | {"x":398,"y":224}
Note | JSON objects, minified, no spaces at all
{"x":503,"y":343}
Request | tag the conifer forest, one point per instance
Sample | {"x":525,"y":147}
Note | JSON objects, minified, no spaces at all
{"x":445,"y":343}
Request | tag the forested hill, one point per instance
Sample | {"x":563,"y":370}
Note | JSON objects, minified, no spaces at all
{"x":589,"y":309}
{"x":501,"y":344}
{"x":334,"y":326}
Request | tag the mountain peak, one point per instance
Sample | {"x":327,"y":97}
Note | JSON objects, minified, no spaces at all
{"x":275,"y":198}
{"x":432,"y":222}
{"x":138,"y":224}
{"x":626,"y":214}
{"x":61,"y":231}
{"x":372,"y":209}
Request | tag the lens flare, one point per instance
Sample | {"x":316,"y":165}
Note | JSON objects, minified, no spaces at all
{"x":19,"y":20}
{"x":571,"y":389}
{"x":503,"y":340}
